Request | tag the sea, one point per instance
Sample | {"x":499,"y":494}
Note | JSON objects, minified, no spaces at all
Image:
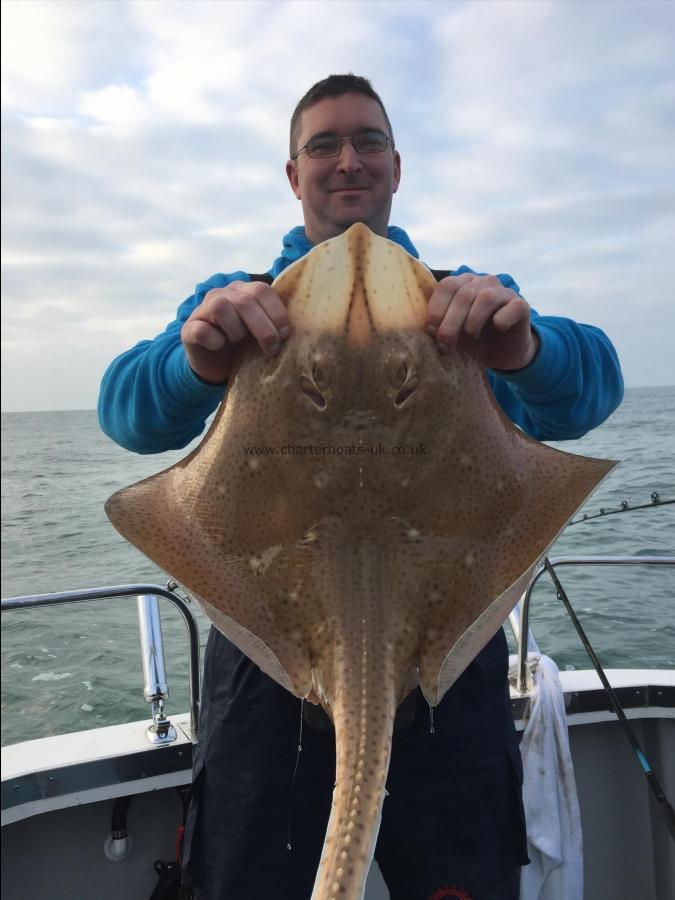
{"x":75,"y":667}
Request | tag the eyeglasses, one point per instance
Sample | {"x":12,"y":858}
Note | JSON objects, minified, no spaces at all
{"x":329,"y":145}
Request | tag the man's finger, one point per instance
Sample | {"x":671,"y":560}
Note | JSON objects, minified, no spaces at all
{"x":488,"y":301}
{"x":222,"y":313}
{"x":453,"y":322}
{"x":441,"y":298}
{"x":200,"y":333}
{"x":256,"y":319}
{"x":274,"y":306}
{"x":516,"y":312}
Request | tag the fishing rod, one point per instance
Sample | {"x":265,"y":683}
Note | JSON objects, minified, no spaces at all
{"x":625,"y":507}
{"x":664,"y":804}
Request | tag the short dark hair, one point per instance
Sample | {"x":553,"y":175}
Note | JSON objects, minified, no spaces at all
{"x":334,"y":86}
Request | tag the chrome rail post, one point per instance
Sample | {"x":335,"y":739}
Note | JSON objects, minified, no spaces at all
{"x":524,"y":624}
{"x":524,"y":682}
{"x":129,"y":590}
{"x":519,"y":620}
{"x":155,"y":686}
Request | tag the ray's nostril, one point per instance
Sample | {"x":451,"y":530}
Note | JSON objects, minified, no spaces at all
{"x":407,"y":390}
{"x":310,"y":390}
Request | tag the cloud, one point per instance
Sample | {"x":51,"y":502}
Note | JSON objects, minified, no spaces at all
{"x":117,"y":106}
{"x":144,"y":146}
{"x":51,"y":50}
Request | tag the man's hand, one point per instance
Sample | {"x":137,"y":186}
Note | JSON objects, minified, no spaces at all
{"x":228,"y":315}
{"x":480,"y":308}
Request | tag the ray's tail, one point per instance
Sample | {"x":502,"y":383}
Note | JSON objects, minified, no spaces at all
{"x":364,"y":719}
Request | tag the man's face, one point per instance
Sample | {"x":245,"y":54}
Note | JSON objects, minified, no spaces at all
{"x":337,"y":192}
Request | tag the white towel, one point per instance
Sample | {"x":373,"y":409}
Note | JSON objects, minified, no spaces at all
{"x":554,"y":838}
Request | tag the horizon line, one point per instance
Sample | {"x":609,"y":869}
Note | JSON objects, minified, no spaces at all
{"x":634,"y":387}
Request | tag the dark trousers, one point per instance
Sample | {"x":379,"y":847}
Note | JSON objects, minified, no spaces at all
{"x":452,"y":825}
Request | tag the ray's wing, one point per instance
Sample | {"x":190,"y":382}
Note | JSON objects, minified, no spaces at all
{"x":224,"y":524}
{"x":502,"y":500}
{"x":513,"y":496}
{"x":191,"y":525}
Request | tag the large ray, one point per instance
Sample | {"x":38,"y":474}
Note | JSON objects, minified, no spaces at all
{"x":360,"y":517}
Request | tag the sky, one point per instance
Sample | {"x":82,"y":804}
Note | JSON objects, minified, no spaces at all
{"x":144,"y":146}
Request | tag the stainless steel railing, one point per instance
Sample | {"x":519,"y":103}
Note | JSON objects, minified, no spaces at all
{"x":521,"y":623}
{"x":155,"y":689}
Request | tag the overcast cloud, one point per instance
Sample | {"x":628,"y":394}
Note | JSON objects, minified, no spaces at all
{"x":144,"y":146}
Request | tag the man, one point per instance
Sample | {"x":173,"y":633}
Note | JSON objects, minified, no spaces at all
{"x":452,"y":824}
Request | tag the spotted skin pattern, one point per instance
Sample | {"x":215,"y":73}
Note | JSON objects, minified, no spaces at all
{"x":351,"y":575}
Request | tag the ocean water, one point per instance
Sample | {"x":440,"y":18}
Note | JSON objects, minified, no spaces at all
{"x":76,"y":667}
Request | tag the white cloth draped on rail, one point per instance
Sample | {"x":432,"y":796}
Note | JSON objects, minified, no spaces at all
{"x":554,"y":839}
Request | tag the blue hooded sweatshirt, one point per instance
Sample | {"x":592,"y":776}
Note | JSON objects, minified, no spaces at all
{"x":151,"y":400}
